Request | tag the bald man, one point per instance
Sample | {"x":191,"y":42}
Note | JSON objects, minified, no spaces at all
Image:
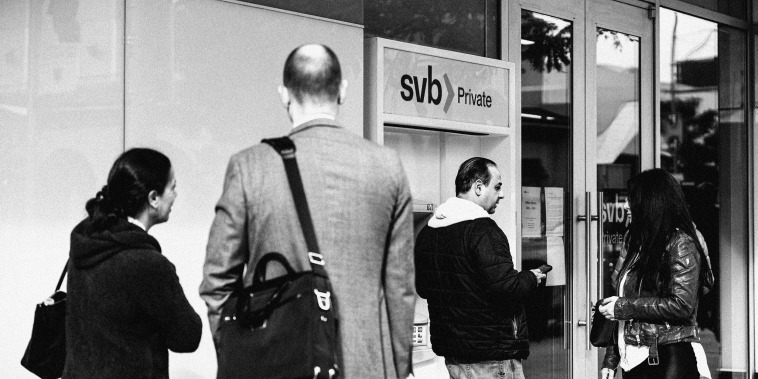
{"x":360,"y":204}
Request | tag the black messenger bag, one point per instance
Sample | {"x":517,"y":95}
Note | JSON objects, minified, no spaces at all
{"x":45,"y":354}
{"x":285,"y":327}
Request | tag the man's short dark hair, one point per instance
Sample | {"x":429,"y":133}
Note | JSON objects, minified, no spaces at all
{"x":317,"y":77}
{"x":473,"y":169}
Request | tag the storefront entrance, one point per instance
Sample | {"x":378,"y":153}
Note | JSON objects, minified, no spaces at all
{"x":606,"y":89}
{"x":587,"y":126}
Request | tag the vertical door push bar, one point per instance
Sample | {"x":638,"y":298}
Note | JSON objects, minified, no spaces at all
{"x":587,"y":218}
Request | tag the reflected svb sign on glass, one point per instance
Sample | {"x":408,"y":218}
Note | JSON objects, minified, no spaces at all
{"x":616,"y":219}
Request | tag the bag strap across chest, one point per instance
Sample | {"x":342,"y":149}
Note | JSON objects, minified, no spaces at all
{"x":286,"y":148}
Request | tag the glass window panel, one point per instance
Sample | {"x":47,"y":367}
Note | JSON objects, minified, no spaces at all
{"x":546,"y":102}
{"x":704,"y":145}
{"x":342,"y":10}
{"x":467,"y":26}
{"x":618,"y":135}
{"x":492,"y":29}
{"x":734,"y":8}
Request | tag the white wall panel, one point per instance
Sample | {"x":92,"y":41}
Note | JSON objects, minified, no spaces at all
{"x":61,"y":127}
{"x":201,"y":84}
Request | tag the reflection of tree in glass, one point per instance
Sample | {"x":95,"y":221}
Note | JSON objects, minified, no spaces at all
{"x":454,"y":25}
{"x":551,"y":49}
{"x":685,"y":111}
{"x":699,"y":152}
{"x":696,"y":156}
{"x":685,"y":108}
{"x":616,"y":36}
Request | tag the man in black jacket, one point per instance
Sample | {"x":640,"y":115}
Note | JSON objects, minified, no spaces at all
{"x":465,"y":271}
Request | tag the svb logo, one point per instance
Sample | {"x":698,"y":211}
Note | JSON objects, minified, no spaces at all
{"x":429,"y":90}
{"x":428,"y":85}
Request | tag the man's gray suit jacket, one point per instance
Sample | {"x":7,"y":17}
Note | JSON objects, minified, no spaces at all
{"x":361,"y":208}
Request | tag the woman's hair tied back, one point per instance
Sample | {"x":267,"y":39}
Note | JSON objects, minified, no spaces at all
{"x":134,"y":174}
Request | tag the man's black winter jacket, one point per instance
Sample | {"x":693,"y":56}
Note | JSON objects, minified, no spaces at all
{"x":465,"y":271}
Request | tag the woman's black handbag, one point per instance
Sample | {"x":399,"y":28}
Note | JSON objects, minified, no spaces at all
{"x":601,"y":333}
{"x":46,"y":352}
{"x":285,"y":327}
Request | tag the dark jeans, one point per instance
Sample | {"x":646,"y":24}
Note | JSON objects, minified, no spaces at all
{"x":506,"y":369}
{"x":677,"y":361}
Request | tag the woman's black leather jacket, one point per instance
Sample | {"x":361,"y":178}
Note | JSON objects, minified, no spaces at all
{"x":666,"y":316}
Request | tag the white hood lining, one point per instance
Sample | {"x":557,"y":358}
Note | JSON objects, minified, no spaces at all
{"x":455,"y":210}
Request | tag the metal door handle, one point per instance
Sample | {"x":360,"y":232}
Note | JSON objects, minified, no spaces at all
{"x":587,"y":218}
{"x":600,"y":245}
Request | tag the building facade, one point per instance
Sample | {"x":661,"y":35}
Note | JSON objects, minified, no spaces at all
{"x":600,"y":90}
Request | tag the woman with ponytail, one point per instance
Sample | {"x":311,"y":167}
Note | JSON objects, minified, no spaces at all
{"x":662,"y":270}
{"x":126,"y":308}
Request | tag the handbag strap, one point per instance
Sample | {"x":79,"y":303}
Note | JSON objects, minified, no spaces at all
{"x":286,"y":148}
{"x":63,"y":275}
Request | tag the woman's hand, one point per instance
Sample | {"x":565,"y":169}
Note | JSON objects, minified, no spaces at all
{"x":607,"y":373}
{"x":539,"y":274}
{"x":606,"y":308}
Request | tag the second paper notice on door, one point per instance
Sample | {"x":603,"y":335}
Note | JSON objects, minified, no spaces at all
{"x":542,"y":231}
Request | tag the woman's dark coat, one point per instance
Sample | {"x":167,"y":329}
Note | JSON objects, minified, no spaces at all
{"x":126,"y":308}
{"x":668,"y":315}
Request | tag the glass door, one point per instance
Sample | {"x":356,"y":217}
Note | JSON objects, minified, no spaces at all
{"x":587,"y":126}
{"x":546,"y":125}
{"x":546,"y":38}
{"x":620,"y":135}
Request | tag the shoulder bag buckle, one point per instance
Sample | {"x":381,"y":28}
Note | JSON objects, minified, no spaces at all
{"x":324,"y":299}
{"x":316,"y":258}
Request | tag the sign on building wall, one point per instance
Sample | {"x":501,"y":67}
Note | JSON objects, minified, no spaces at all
{"x":428,"y":86}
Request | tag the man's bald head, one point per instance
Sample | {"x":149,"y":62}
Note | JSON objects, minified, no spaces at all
{"x":312,"y":73}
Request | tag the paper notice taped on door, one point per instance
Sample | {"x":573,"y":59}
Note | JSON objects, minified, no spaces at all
{"x":554,"y":211}
{"x":531,"y":215}
{"x":556,"y":257}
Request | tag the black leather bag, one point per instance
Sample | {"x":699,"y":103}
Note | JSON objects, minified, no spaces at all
{"x":601,"y":333}
{"x":45,"y":354}
{"x":284,"y":327}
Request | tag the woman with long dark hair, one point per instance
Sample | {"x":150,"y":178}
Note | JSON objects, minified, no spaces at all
{"x":125,"y":306}
{"x":659,"y":280}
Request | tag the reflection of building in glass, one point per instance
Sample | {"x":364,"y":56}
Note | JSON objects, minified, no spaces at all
{"x":617,"y":73}
{"x":545,"y":99}
{"x":448,"y":24}
{"x":703,"y":144}
{"x":689,"y":96}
